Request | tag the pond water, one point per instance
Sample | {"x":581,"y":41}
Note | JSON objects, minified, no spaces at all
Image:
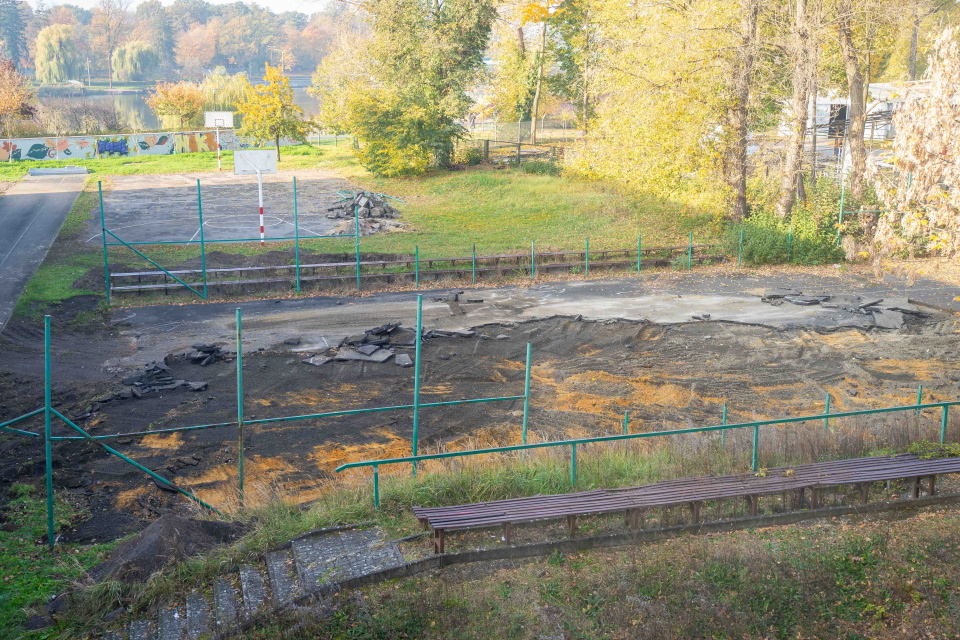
{"x":137,"y":116}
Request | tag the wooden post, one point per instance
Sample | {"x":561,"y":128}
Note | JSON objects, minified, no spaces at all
{"x":438,"y":540}
{"x":865,"y":492}
{"x":695,"y":510}
{"x":572,"y":525}
{"x":931,"y":489}
{"x":754,"y":504}
{"x":916,"y":487}
{"x":814,"y":498}
{"x":507,"y":531}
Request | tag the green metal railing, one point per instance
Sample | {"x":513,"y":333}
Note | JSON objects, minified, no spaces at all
{"x":49,"y":413}
{"x":722,"y":428}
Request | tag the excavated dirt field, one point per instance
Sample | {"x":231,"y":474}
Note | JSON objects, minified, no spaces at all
{"x":585,"y":375}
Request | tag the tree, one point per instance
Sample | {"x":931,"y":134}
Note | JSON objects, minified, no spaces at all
{"x":513,"y":82}
{"x":181,"y":100}
{"x":802,"y":50}
{"x":109,"y":26}
{"x":332,"y":82}
{"x":156,"y":28}
{"x":15,"y":94}
{"x":737,"y":120}
{"x":12,"y":32}
{"x":573,"y":48}
{"x":922,"y":196}
{"x":195,"y":50}
{"x":269,"y":112}
{"x":422,"y":58}
{"x":57,"y":58}
{"x":134,"y":60}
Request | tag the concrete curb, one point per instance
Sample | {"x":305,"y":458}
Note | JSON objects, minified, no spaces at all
{"x":582,"y":544}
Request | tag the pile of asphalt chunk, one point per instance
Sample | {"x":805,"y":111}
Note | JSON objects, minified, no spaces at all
{"x":379,"y":344}
{"x":887,"y":313}
{"x":365,"y":213}
{"x":156,"y":377}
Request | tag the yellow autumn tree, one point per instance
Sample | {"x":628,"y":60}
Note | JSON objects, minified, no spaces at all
{"x":181,"y":100}
{"x":269,"y":112}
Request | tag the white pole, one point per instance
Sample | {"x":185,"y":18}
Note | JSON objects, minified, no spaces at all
{"x":260,"y":197}
{"x":219,"y":168}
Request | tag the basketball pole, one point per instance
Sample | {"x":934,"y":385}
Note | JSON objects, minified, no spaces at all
{"x":219,"y":167}
{"x":260,"y":198}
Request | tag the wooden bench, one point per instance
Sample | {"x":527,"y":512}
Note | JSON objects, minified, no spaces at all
{"x":633,"y":501}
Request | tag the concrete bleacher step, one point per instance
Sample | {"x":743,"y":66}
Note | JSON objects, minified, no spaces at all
{"x":199,"y":622}
{"x":277,"y":578}
{"x":253,"y":590}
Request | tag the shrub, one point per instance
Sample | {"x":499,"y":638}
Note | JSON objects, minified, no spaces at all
{"x":540,"y":168}
{"x":468,"y":155}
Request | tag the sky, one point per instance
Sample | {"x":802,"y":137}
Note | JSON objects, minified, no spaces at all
{"x":277,"y":6}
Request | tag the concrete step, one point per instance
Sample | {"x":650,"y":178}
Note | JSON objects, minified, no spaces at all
{"x":339,"y":556}
{"x":142,"y":630}
{"x":171,"y":624}
{"x":113,"y":634}
{"x":226,"y":604}
{"x":199,"y":622}
{"x":316,"y":559}
{"x":253,"y":590}
{"x":284,"y":584}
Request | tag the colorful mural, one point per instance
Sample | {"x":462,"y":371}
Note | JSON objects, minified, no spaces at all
{"x":86,"y":147}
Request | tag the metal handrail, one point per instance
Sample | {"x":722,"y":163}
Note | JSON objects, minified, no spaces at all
{"x":756,"y":424}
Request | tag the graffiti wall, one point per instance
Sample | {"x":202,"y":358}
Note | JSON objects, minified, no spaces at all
{"x":143,"y":144}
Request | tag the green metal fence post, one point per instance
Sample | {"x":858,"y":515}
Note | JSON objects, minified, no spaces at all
{"x":103,"y":234}
{"x":416,"y":378}
{"x":943,"y":424}
{"x":240,"y":405}
{"x":626,"y":423}
{"x":843,"y":192}
{"x":533,"y":255}
{"x":919,"y":395}
{"x":826,"y":412}
{"x":526,"y":393}
{"x":740,"y":250}
{"x":376,"y":487}
{"x":573,"y":465}
{"x":47,"y":448}
{"x":639,"y":251}
{"x":296,"y":233}
{"x":416,"y":266}
{"x":356,"y":231}
{"x":756,"y":442}
{"x":690,"y":253}
{"x":586,"y":259}
{"x":203,"y":252}
{"x":474,"y":263}
{"x":723,"y":432}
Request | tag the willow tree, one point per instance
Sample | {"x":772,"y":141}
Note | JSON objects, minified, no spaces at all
{"x":57,"y":58}
{"x":134,"y":60}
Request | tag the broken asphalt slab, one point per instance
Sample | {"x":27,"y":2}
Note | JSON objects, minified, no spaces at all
{"x":323,"y":322}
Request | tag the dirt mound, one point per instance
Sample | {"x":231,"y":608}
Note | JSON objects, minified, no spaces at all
{"x":168,"y":540}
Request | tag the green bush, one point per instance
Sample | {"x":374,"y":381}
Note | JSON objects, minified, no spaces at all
{"x":468,"y":155}
{"x":540,"y":168}
{"x":807,"y":237}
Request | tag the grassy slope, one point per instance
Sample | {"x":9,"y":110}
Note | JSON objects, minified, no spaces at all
{"x":30,"y":571}
{"x":836,"y":579}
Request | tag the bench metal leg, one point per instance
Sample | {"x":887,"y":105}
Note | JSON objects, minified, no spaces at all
{"x":572,"y":525}
{"x":507,"y":531}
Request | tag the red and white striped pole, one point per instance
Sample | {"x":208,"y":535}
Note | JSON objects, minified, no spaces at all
{"x":260,"y":197}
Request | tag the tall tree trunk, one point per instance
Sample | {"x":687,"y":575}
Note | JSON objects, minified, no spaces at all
{"x":277,"y":140}
{"x":802,"y":56}
{"x":856,"y":115}
{"x":735,"y":161}
{"x":110,"y":68}
{"x":813,"y":136}
{"x":914,"y":37}
{"x":536,"y":96}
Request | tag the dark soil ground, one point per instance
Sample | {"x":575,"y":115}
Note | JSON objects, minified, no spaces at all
{"x":585,"y":375}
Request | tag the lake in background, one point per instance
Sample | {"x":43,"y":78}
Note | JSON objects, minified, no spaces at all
{"x":137,"y":116}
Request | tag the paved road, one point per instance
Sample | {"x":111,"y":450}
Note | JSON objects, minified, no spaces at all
{"x":149,"y":333}
{"x":31,"y":213}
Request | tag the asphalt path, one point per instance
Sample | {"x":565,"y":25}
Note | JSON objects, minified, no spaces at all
{"x":31,"y":214}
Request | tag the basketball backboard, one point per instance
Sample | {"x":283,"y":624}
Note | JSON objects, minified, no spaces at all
{"x":254,"y":161}
{"x":221,"y":119}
